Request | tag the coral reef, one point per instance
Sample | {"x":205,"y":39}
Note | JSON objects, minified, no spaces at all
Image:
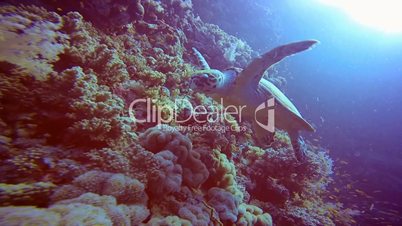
{"x":25,"y":194}
{"x":72,"y":151}
{"x":87,"y":209}
{"x":252,"y":215}
{"x":123,"y":188}
{"x":32,"y":41}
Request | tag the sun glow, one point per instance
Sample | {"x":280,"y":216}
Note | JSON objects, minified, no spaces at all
{"x":384,"y":15}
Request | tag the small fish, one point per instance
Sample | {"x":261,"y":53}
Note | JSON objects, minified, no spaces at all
{"x":388,"y":213}
{"x":344,"y":162}
{"x":345,"y":175}
{"x":360,"y":192}
{"x":394,"y":211}
{"x":322,"y":119}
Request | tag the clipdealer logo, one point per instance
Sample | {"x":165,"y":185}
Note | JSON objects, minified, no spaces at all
{"x":202,"y":114}
{"x":269,"y":106}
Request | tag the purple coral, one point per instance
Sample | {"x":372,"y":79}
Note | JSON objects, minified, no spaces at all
{"x":224,"y":203}
{"x":164,"y":137}
{"x":169,"y":178}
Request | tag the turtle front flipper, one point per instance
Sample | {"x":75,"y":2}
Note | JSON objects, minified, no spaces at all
{"x":253,"y":73}
{"x":299,"y":151}
{"x":201,"y":59}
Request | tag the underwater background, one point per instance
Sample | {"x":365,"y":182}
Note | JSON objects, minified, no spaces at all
{"x":348,"y":86}
{"x":71,"y":154}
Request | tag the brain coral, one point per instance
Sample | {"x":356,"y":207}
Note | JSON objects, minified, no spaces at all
{"x":123,"y":188}
{"x":164,"y":137}
{"x":169,"y":177}
{"x":252,"y":215}
{"x":118,"y":214}
{"x":224,"y":203}
{"x":88,"y":209}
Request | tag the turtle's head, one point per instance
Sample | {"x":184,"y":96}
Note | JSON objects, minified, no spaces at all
{"x":207,"y":81}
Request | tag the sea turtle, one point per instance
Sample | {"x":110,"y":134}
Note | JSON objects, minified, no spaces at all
{"x":248,"y":87}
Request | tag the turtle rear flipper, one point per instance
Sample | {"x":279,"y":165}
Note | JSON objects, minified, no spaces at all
{"x":300,"y":153}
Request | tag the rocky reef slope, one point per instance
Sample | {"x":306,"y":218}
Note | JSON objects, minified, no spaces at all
{"x":70,"y":154}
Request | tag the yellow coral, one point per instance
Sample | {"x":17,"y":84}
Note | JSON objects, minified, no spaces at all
{"x":23,"y":193}
{"x":168,"y":221}
{"x":252,"y":215}
{"x":225,"y":170}
{"x":281,"y":139}
{"x":28,"y":215}
{"x":82,"y":214}
{"x":253,"y":153}
{"x":225,"y":174}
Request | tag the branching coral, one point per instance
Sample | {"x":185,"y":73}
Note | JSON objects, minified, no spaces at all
{"x":133,"y":161}
{"x":88,"y":113}
{"x":226,"y":45}
{"x":104,"y":13}
{"x":26,"y":161}
{"x":278,"y":181}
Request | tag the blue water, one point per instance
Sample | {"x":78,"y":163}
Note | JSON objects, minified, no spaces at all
{"x":349,"y":87}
